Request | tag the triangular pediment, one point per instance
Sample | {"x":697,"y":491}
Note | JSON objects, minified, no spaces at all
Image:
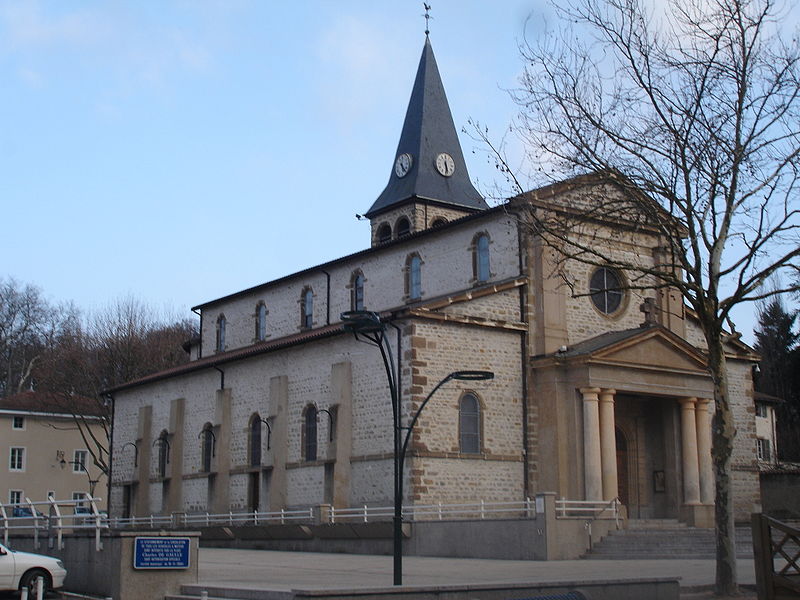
{"x":648,"y":347}
{"x":657,"y":349}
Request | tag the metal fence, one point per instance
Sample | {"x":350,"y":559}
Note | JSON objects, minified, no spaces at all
{"x":481,"y":509}
{"x":62,"y":516}
{"x":71,"y":515}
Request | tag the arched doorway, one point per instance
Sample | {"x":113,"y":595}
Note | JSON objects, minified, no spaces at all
{"x":622,"y":466}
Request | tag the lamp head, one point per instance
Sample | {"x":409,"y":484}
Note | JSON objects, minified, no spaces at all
{"x":472,"y":375}
{"x":361,"y":321}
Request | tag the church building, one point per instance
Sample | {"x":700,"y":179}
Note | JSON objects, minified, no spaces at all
{"x":599,"y":392}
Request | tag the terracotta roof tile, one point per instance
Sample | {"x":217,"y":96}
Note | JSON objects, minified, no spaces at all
{"x":47,"y":402}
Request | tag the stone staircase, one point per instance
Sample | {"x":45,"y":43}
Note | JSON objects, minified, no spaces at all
{"x":664,"y":539}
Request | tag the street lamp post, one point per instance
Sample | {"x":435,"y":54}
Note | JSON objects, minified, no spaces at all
{"x":367,"y":326}
{"x":92,"y":482}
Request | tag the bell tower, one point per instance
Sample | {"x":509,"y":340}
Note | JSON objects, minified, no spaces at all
{"x":428,"y":183}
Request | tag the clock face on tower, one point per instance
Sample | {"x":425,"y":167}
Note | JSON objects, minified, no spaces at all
{"x":445,"y":164}
{"x":403,"y":165}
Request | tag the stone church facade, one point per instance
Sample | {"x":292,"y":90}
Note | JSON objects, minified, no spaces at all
{"x":592,"y":398}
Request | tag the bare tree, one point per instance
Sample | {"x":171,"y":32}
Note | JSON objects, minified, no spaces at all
{"x":23,"y":320}
{"x":125,"y":340}
{"x":695,"y":117}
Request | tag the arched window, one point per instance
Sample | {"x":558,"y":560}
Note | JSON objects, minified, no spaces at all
{"x":357,"y":291}
{"x":384,"y":233}
{"x":438,"y":222}
{"x":255,"y":440}
{"x":261,"y":322}
{"x":163,"y":453}
{"x":403,"y":227}
{"x":469,"y":419}
{"x":605,"y":286}
{"x":310,"y":433}
{"x":307,"y":308}
{"x":414,"y":277}
{"x":221,"y":333}
{"x":480,"y":258}
{"x":208,"y":443}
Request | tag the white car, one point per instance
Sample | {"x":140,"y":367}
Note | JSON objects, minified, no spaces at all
{"x":21,"y":569}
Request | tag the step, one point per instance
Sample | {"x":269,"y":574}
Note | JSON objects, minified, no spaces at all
{"x":650,"y":524}
{"x":193,"y":592}
{"x":667,"y":540}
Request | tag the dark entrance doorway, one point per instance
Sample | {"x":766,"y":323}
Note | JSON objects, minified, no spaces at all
{"x":622,"y":467}
{"x":254,"y":492}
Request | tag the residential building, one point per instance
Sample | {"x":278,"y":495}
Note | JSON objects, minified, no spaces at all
{"x":44,"y":450}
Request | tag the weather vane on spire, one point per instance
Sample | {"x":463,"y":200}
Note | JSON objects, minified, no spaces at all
{"x":427,"y":17}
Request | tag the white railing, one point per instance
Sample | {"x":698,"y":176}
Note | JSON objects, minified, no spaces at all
{"x":427,"y":512}
{"x":207,"y":519}
{"x":588,"y":509}
{"x":30,"y":517}
{"x":480,"y":509}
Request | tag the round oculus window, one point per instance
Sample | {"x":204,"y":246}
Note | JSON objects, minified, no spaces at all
{"x":605,"y":287}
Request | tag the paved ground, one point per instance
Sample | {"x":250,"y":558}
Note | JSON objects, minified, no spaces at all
{"x":298,"y":570}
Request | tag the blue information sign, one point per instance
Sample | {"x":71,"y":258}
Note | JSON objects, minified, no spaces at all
{"x":161,"y":553}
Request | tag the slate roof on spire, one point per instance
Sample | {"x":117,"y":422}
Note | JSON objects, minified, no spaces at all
{"x":429,"y":130}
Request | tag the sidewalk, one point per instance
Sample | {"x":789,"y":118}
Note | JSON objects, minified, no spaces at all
{"x":266,"y":569}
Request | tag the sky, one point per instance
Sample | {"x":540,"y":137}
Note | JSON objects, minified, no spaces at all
{"x":179,"y":151}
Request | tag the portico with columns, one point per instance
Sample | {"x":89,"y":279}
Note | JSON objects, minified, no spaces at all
{"x":636,"y":408}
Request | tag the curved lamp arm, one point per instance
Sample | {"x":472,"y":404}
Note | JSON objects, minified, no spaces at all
{"x":135,"y":452}
{"x":269,"y":430}
{"x":458,"y":375}
{"x":163,"y":441}
{"x":330,"y":422}
{"x":213,"y":437}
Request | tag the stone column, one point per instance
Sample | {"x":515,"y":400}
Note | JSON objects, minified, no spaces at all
{"x":703,"y":418}
{"x":608,"y":445}
{"x":342,"y":396}
{"x":691,"y":475}
{"x":221,"y":482}
{"x":279,"y":399}
{"x":141,"y":503}
{"x":593,"y":480}
{"x":177,"y":416}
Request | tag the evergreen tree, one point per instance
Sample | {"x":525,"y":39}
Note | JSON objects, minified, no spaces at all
{"x":776,"y":341}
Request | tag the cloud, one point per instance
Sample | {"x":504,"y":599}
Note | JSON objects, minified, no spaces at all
{"x":361,"y":60}
{"x":24,"y":25}
{"x":31,"y":77}
{"x":120,"y":46}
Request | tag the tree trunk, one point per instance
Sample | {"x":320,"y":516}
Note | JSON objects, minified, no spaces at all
{"x":723,"y":432}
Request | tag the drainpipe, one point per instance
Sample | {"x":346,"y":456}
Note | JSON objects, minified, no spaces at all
{"x":523,"y":342}
{"x":328,"y":297}
{"x":110,"y":398}
{"x":399,"y":362}
{"x":200,"y":349}
{"x":221,"y":378}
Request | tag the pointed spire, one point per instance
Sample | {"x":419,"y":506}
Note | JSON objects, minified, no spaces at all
{"x":428,"y":164}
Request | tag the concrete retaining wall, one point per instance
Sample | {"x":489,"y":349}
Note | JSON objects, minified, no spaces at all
{"x":780,"y":495}
{"x":109,"y":572}
{"x":512,"y":539}
{"x":631,"y":589}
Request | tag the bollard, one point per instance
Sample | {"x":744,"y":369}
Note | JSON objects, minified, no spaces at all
{"x":204,"y":595}
{"x":40,"y":588}
{"x":23,"y":594}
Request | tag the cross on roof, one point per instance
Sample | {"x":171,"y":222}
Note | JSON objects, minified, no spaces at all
{"x":427,"y":16}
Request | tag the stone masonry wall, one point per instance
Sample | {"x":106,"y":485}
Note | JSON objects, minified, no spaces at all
{"x":439,"y":471}
{"x":446,"y":269}
{"x":420,"y":216}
